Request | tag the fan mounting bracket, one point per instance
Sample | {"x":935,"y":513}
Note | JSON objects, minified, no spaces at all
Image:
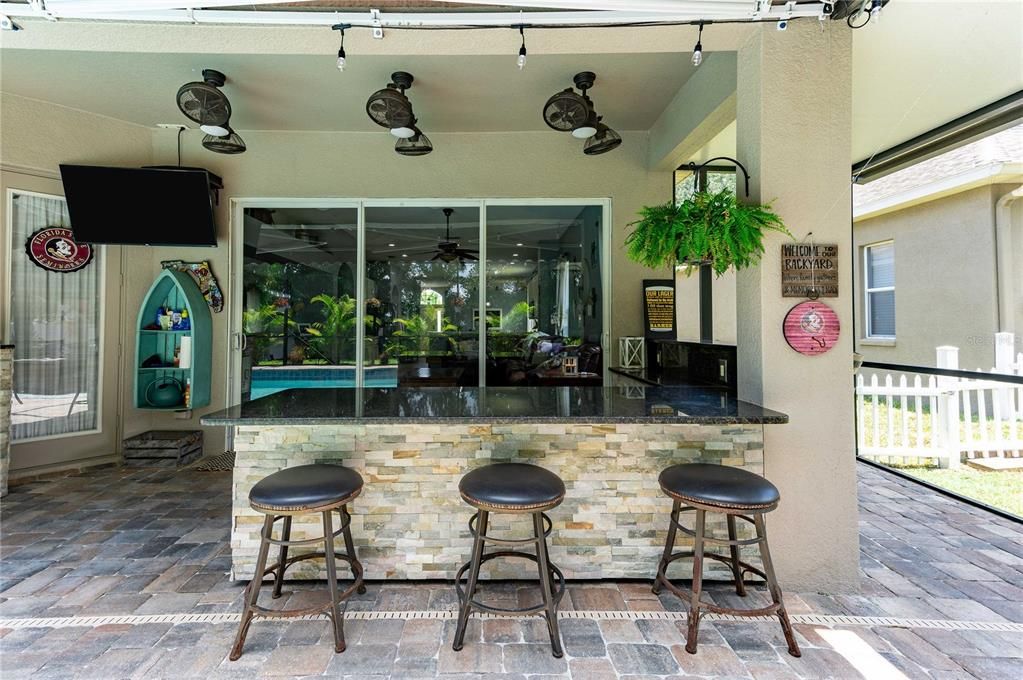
{"x":402,"y":79}
{"x":584,"y":80}
{"x":214,"y":77}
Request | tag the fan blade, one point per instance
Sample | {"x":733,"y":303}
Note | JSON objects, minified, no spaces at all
{"x":467,"y":256}
{"x":436,"y":257}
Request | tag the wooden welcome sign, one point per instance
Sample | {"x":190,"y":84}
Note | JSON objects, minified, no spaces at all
{"x":659,"y":308}
{"x":809,"y":267}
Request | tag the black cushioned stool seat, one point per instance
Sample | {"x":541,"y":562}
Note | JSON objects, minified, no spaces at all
{"x":306,"y":487}
{"x":736,"y":494}
{"x":722,"y":485}
{"x":303,"y":490}
{"x":511,"y":488}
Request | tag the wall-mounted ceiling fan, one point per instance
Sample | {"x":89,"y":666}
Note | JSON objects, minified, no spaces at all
{"x":391,"y":108}
{"x":448,"y":250}
{"x":204,"y":103}
{"x":569,"y":111}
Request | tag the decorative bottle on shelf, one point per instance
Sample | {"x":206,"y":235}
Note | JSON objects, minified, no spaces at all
{"x":188,"y":393}
{"x":186,"y":324}
{"x":176,"y":320}
{"x":159,"y":317}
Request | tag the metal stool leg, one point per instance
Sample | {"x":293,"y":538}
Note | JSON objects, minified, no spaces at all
{"x":482,"y":517}
{"x":772,"y":585}
{"x":740,"y":587}
{"x":335,"y":601}
{"x":669,"y":547}
{"x":346,"y":521}
{"x":694,"y":599}
{"x":546,"y":585}
{"x":252,"y":590}
{"x":282,"y":558}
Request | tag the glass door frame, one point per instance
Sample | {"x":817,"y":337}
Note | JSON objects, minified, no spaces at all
{"x":236,"y":336}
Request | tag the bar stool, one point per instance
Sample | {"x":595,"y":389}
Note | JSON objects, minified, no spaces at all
{"x":295,"y":491}
{"x":511,"y":488}
{"x":736,"y":493}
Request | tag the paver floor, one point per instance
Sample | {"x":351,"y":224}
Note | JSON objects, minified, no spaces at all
{"x":91,"y":561}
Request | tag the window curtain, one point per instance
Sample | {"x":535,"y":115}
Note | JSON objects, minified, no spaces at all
{"x":55,"y":322}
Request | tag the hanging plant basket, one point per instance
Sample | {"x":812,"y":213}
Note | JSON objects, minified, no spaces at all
{"x":707,"y":228}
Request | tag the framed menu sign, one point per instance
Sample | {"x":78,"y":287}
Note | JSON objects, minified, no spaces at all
{"x":809,"y":266}
{"x":659,"y":308}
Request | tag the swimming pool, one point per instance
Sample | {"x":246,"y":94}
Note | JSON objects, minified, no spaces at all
{"x":270,"y":380}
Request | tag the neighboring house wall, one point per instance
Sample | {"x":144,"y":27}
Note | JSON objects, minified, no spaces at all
{"x":945,"y":279}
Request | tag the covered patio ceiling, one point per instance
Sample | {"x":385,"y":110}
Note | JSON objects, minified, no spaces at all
{"x":905,"y":79}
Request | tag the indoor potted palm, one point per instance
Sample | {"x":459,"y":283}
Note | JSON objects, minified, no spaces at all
{"x":706,"y":228}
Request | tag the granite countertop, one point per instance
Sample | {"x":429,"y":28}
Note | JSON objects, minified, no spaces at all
{"x":499,"y":405}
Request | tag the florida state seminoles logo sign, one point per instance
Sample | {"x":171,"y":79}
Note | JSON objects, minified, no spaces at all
{"x":54,"y":249}
{"x":811,"y":328}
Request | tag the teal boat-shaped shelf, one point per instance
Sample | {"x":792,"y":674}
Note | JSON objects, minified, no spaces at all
{"x":175,"y":290}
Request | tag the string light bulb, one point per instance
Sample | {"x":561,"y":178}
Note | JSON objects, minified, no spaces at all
{"x":341,"y":57}
{"x":698,"y":50}
{"x":522,"y":50}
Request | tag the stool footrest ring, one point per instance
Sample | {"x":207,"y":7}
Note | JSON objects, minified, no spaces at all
{"x":315,"y":609}
{"x":502,"y":611}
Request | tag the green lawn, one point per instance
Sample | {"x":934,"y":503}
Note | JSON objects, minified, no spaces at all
{"x":1003,"y":489}
{"x":908,"y":413}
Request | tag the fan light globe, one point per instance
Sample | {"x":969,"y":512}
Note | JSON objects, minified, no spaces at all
{"x":403,"y":132}
{"x":215,"y":130}
{"x":584,"y":132}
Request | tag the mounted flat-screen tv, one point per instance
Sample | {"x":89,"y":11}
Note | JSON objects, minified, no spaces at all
{"x":140,"y":206}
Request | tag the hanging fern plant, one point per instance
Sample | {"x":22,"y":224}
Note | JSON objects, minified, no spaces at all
{"x":707,"y":228}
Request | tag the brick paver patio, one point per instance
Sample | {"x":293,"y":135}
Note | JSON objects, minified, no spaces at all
{"x":90,"y":562}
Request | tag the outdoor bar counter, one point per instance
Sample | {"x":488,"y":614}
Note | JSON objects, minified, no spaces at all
{"x":412,"y":445}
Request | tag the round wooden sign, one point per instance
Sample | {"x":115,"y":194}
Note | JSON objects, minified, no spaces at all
{"x":811,"y":328}
{"x":55,"y":249}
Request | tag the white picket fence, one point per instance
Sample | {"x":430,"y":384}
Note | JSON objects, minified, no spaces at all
{"x":940,"y":417}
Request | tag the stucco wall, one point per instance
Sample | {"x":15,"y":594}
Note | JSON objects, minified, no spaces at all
{"x":945,"y":279}
{"x":488,"y":165}
{"x":35,"y":137}
{"x":322,"y":165}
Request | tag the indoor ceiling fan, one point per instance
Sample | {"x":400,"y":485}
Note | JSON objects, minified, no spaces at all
{"x":448,"y":250}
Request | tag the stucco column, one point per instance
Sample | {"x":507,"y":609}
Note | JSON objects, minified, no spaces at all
{"x":793,"y":118}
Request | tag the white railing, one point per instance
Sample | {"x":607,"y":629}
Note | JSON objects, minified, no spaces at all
{"x":941,"y":417}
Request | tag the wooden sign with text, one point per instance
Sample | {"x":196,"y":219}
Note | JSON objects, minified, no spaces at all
{"x":806,"y":267}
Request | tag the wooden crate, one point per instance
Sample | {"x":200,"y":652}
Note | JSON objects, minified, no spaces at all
{"x":163,"y":448}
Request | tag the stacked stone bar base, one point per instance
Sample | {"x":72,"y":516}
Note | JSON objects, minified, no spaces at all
{"x":410,"y":523}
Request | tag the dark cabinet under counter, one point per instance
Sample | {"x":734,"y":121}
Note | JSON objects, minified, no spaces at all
{"x":672,"y":363}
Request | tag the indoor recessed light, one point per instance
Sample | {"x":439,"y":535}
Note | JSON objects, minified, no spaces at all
{"x":404,"y":254}
{"x":519,"y":245}
{"x":390,"y":245}
{"x":515,"y":254}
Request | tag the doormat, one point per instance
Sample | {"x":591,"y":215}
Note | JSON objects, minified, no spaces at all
{"x":222,"y":462}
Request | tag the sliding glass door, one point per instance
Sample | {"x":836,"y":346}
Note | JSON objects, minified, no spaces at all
{"x":422,"y":296}
{"x":299,"y":306}
{"x":544,"y":295}
{"x":398,"y":293}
